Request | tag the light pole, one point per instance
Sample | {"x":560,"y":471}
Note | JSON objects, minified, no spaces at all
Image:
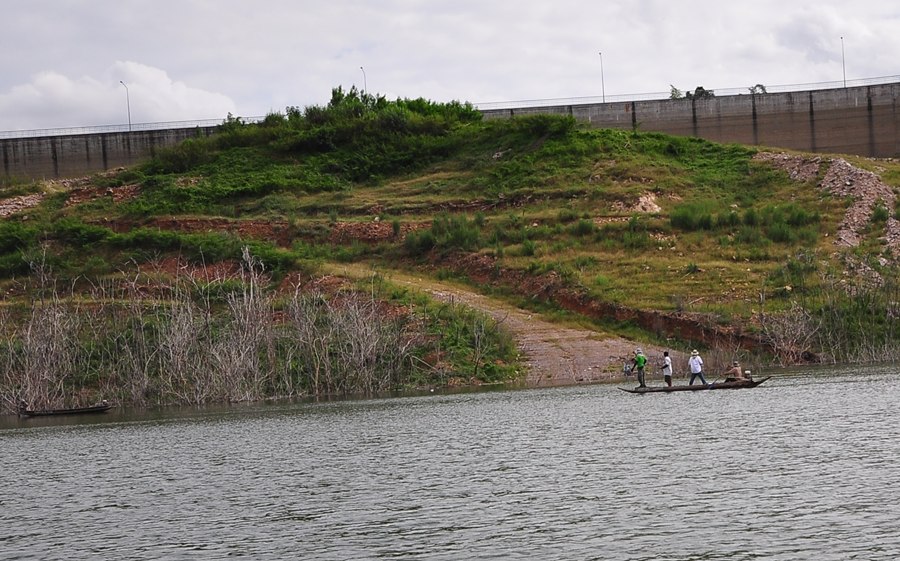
{"x":365,"y":84}
{"x":843,"y":64}
{"x":128,"y":103}
{"x":602,"y":84}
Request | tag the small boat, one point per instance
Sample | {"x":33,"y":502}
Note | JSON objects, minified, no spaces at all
{"x":734,"y":385}
{"x":102,"y":407}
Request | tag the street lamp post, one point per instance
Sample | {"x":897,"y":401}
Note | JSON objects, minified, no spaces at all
{"x":602,"y":84}
{"x":843,"y":64}
{"x":128,"y":103}
{"x":365,"y":84}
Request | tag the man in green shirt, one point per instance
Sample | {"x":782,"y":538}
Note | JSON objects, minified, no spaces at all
{"x":639,"y":362}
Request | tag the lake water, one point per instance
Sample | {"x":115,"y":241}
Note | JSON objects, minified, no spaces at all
{"x":805,"y":466}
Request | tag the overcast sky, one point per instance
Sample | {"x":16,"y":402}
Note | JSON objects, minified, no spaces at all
{"x":63,"y":60}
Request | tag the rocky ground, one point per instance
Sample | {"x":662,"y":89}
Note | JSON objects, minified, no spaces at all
{"x":864,"y":188}
{"x":14,"y":205}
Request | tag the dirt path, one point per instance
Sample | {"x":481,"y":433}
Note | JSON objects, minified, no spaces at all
{"x":555,"y":355}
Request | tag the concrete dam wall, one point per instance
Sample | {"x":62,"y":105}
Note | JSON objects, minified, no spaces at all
{"x":51,"y":157}
{"x":861,"y":120}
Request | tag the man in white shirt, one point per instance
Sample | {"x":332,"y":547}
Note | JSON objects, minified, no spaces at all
{"x":667,"y":368}
{"x":696,"y":364}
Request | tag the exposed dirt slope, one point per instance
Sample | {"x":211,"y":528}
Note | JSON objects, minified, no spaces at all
{"x":555,"y":355}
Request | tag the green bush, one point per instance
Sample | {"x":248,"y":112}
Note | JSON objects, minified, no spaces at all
{"x":880,"y":214}
{"x":748,"y":235}
{"x":456,"y":232}
{"x":419,"y":242}
{"x":583,"y":228}
{"x":780,"y":232}
{"x":16,"y":235}
{"x":798,"y":216}
{"x":529,"y":248}
{"x":78,"y":234}
{"x":567,"y":215}
{"x":636,"y":240}
{"x":693,"y":216}
{"x":728,"y":220}
{"x":751,"y":218}
{"x":705,"y":222}
{"x":181,"y":157}
{"x":12,"y":264}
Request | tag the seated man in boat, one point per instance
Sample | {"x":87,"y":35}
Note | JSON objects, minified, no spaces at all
{"x":735,"y":373}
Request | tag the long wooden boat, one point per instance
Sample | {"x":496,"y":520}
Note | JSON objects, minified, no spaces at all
{"x":102,"y":407}
{"x":736,"y":385}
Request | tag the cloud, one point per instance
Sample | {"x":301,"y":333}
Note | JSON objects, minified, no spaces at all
{"x":221,"y":56}
{"x":53,"y":100}
{"x":813,"y":34}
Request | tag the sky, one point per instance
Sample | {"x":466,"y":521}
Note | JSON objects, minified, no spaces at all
{"x":74,"y":63}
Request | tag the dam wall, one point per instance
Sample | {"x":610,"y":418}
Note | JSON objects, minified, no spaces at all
{"x":52,"y":157}
{"x":859,"y":120}
{"x":862,"y":120}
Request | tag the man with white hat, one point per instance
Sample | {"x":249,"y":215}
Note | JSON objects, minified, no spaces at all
{"x":696,"y":364}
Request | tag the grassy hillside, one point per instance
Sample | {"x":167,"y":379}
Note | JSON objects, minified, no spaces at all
{"x":590,"y":224}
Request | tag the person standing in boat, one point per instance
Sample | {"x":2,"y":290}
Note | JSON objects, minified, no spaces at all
{"x":639,"y":362}
{"x":696,"y":364}
{"x":667,"y":368}
{"x":735,"y":374}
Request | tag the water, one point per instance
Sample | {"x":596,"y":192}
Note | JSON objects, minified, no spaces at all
{"x":803,"y":467}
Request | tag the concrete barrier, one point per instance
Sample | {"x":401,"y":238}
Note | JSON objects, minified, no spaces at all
{"x":51,"y":157}
{"x":860,"y":120}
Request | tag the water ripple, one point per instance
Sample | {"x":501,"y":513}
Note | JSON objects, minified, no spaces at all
{"x":567,"y":473}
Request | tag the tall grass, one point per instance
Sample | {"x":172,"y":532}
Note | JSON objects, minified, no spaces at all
{"x":785,"y":224}
{"x":151,"y":341}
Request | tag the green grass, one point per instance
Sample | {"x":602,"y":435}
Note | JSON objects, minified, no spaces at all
{"x":541,"y":195}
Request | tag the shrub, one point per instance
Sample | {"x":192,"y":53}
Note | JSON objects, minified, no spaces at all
{"x":582,"y":228}
{"x":880,"y":214}
{"x":751,"y":218}
{"x":729,"y":220}
{"x":567,"y":215}
{"x":693,"y":216}
{"x":748,"y":235}
{"x":456,"y":232}
{"x":78,"y":234}
{"x":181,"y":157}
{"x":799,"y":216}
{"x":13,"y":263}
{"x":683,"y":218}
{"x":16,"y":235}
{"x":780,"y":232}
{"x":419,"y":242}
{"x":529,"y":248}
{"x":636,"y":240}
{"x":705,"y":222}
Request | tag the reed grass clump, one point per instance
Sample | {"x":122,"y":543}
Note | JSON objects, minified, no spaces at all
{"x":187,"y":341}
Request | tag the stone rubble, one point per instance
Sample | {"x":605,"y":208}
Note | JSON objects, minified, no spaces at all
{"x":865,"y":189}
{"x":18,"y":204}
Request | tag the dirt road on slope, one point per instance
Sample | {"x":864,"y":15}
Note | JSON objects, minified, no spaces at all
{"x":554,"y":355}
